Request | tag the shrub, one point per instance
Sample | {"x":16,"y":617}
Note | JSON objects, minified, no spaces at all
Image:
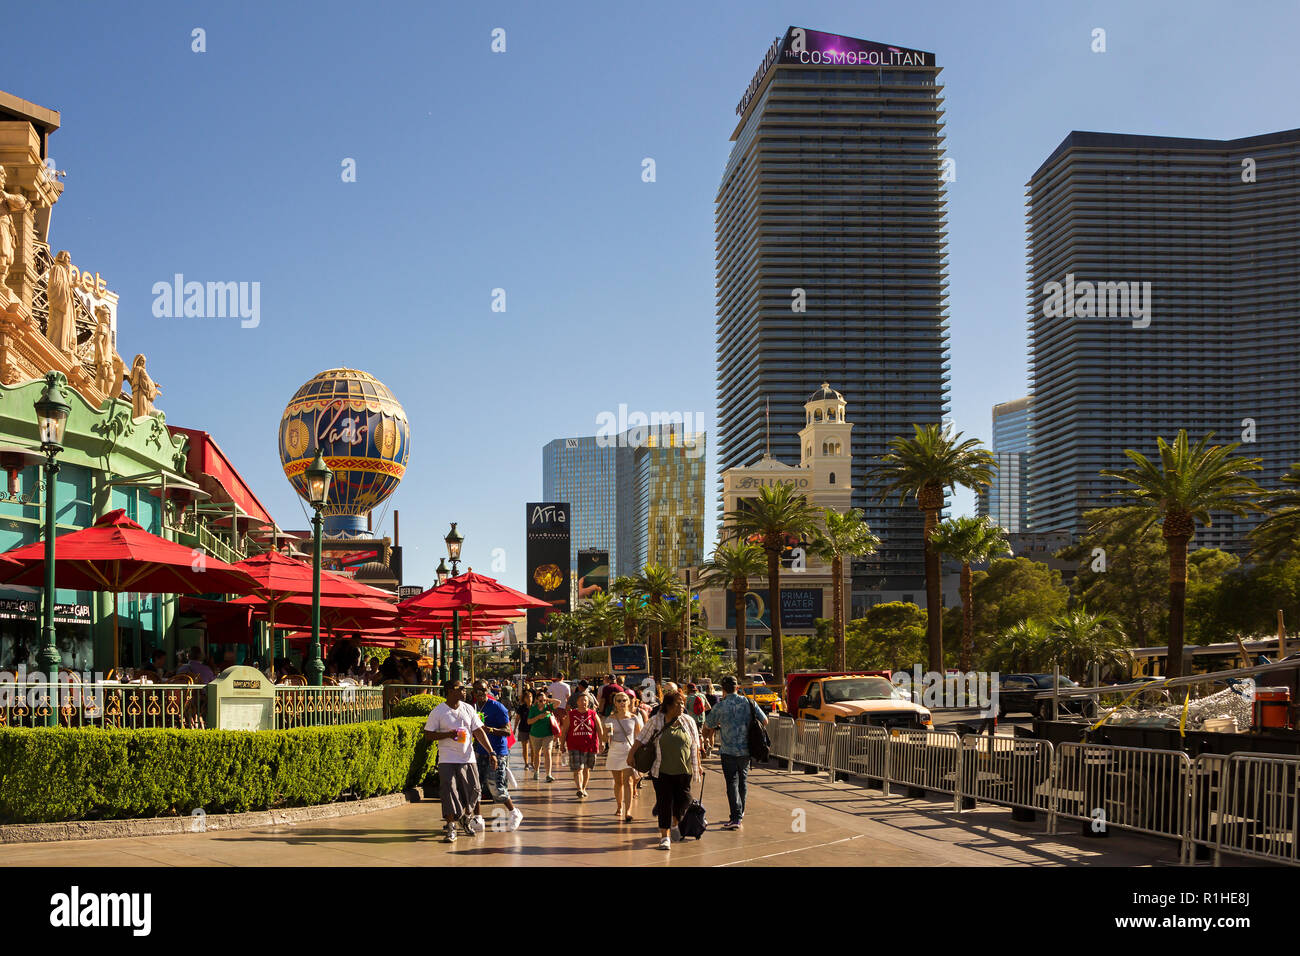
{"x":53,"y":774}
{"x":417,"y":705}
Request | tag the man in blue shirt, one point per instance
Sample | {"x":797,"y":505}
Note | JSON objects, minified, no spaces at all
{"x":730,"y":719}
{"x":496,"y":723}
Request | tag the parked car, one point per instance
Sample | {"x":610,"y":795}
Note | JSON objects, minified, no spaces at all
{"x":1017,"y":694}
{"x":766,"y":697}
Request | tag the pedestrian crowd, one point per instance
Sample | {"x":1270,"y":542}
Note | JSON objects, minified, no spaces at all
{"x":658,"y":732}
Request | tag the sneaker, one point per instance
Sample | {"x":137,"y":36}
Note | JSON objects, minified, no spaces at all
{"x":537,"y":775}
{"x":665,"y":844}
{"x":628,"y":818}
{"x":731,"y":825}
{"x":449,"y":833}
{"x":550,"y":779}
{"x":477,"y":824}
{"x":580,"y":794}
{"x":514,"y":819}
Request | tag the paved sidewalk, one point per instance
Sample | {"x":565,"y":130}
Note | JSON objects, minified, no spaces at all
{"x":792,"y":820}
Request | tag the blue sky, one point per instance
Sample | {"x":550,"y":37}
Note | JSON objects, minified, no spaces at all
{"x":522,"y":171}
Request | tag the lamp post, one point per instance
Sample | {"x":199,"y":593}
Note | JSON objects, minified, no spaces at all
{"x":443,"y":573}
{"x":442,"y":659}
{"x":318,"y":477}
{"x":52,"y":418}
{"x":455,"y":646}
{"x":454,"y":540}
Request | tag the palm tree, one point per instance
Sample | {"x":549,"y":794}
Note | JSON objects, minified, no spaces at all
{"x":670,"y":616}
{"x":630,"y":605}
{"x":1188,"y":483}
{"x":923,"y":466}
{"x":1278,"y":535}
{"x":653,"y":584}
{"x":1078,"y":639}
{"x":845,"y":535}
{"x":731,"y":567}
{"x":1019,"y":648}
{"x":970,"y":541}
{"x":778,"y":518}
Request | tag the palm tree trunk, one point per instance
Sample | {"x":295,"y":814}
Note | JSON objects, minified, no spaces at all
{"x":774,"y":613}
{"x":967,"y":620}
{"x":742,"y":585}
{"x":933,"y":595}
{"x":1177,"y":603}
{"x":837,"y":571}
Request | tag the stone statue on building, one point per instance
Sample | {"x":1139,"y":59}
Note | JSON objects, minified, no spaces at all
{"x":61,"y":329}
{"x":143,"y":389}
{"x":11,"y":204}
{"x":110,"y":370}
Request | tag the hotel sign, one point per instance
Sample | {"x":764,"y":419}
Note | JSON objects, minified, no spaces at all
{"x":804,"y":47}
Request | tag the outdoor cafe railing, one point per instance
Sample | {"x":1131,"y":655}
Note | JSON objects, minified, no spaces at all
{"x":299,"y":706}
{"x":102,"y":704}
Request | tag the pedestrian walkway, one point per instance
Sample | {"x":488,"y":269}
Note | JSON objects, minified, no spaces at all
{"x":792,"y":820}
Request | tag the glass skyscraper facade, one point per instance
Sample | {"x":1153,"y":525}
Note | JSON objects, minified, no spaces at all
{"x":1163,"y":280}
{"x":831,"y":265}
{"x":638,"y":495}
{"x":1006,"y":500}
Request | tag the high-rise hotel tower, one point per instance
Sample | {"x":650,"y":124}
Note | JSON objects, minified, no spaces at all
{"x":1164,"y":277}
{"x":831,"y":265}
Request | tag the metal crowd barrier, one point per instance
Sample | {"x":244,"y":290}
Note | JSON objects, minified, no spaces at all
{"x":1256,"y":811}
{"x":1242,"y":804}
{"x":1007,"y":771}
{"x":1130,"y":788}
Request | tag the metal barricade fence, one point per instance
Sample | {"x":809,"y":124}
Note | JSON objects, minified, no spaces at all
{"x":780,"y":732}
{"x":1130,"y":788}
{"x":1207,"y":798}
{"x":1008,"y":771}
{"x":813,"y":743}
{"x":924,"y":759}
{"x":863,"y":752}
{"x":1257,"y":808}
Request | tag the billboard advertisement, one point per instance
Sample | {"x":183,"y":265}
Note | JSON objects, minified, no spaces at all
{"x":593,"y":573}
{"x":800,"y":607}
{"x":546,"y":551}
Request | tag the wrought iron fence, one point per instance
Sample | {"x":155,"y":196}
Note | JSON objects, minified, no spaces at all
{"x":102,"y":704}
{"x":297,"y":706}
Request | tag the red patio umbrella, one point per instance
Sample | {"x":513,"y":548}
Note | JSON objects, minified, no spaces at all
{"x":116,"y":554}
{"x":471,"y":593}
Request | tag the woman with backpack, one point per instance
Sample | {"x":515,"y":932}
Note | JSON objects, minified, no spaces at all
{"x":676,"y":743}
{"x":620,"y":733}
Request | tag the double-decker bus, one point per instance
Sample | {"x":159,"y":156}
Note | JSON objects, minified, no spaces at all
{"x":629,"y":663}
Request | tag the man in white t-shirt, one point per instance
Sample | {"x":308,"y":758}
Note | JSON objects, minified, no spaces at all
{"x":560,"y":691}
{"x":455,"y":725}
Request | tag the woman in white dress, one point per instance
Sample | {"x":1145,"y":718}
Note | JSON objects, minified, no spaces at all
{"x":624,"y":724}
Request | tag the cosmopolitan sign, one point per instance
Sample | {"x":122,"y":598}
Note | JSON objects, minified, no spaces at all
{"x":804,"y":47}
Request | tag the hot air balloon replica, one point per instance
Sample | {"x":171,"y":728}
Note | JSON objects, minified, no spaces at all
{"x":361,"y":430}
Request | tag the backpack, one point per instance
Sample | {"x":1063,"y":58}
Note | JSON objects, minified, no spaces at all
{"x":760,"y":745}
{"x":693,"y":823}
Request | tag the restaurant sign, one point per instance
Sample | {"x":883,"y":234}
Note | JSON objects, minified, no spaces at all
{"x":240,"y":698}
{"x":22,"y":610}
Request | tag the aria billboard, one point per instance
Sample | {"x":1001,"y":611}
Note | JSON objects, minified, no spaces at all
{"x":546,"y":549}
{"x":804,"y":47}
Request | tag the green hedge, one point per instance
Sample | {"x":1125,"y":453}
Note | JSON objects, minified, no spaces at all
{"x":417,"y":705}
{"x":53,"y":774}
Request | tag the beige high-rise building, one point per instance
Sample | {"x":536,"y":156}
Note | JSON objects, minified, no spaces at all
{"x":825,"y":475}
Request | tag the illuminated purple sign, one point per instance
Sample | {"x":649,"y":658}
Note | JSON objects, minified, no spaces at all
{"x":804,"y":47}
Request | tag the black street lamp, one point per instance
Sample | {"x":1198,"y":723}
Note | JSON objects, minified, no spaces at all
{"x":454,"y":540}
{"x":52,"y":418}
{"x":318,"y":477}
{"x":442,"y":571}
{"x":442,"y":659}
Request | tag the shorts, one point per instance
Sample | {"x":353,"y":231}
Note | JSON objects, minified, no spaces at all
{"x":458,"y":788}
{"x":542,"y":742}
{"x":579,"y":760}
{"x":494,"y":780}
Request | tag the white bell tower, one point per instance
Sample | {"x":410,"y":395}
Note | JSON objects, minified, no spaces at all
{"x":826,"y":449}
